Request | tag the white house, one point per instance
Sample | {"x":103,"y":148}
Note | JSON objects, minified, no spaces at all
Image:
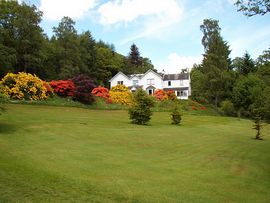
{"x":151,"y":81}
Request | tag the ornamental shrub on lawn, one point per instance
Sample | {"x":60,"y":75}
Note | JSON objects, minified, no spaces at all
{"x":102,"y":92}
{"x":63,"y":88}
{"x":23,"y":86}
{"x":83,"y":88}
{"x":140,"y":113}
{"x":176,"y":115}
{"x":120,"y":94}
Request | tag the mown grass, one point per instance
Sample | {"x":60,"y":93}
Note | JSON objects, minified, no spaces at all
{"x":62,"y":154}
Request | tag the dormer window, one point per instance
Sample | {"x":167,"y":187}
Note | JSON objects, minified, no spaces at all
{"x":169,"y":83}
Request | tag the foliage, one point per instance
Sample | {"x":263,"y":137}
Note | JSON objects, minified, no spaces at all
{"x":63,"y":88}
{"x":140,"y":113}
{"x":176,"y":115}
{"x":244,"y":65}
{"x":120,"y":94}
{"x":3,"y":99}
{"x":227,"y":108}
{"x":216,"y":62}
{"x":246,"y":93}
{"x":102,"y":92}
{"x":23,"y":86}
{"x":83,"y":88}
{"x":21,"y":38}
{"x":257,"y":126}
{"x":253,"y":7}
{"x":162,"y":95}
{"x":171,"y":95}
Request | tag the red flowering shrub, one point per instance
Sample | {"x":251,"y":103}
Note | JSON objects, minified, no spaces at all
{"x":63,"y":88}
{"x":203,"y":108}
{"x":171,"y":95}
{"x":160,"y":95}
{"x":193,"y":108}
{"x":102,"y":92}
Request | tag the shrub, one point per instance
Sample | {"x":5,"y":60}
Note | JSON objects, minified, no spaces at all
{"x":120,"y":94}
{"x":176,"y":115}
{"x":140,"y":113}
{"x":63,"y":88}
{"x":171,"y":95}
{"x":227,"y":108}
{"x":83,"y":88}
{"x":23,"y":86}
{"x":3,"y":99}
{"x":102,"y":92}
{"x":160,"y":95}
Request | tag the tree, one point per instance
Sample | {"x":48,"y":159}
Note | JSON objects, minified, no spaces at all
{"x":21,"y":37}
{"x":216,"y":62}
{"x":88,"y":53}
{"x":210,"y":30}
{"x":67,"y":43}
{"x":197,"y":79}
{"x":134,"y":56}
{"x":141,"y":112}
{"x":253,"y":7}
{"x":248,"y":94}
{"x":244,"y":65}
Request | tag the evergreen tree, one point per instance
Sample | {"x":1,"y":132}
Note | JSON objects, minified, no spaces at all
{"x":67,"y":43}
{"x":141,"y":112}
{"x":134,"y":56}
{"x":216,"y":62}
{"x":244,"y":65}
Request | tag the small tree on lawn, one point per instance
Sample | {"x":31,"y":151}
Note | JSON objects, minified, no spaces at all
{"x":176,"y":114}
{"x":140,"y":113}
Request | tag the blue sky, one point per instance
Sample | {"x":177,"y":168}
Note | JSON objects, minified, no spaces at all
{"x":166,"y":31}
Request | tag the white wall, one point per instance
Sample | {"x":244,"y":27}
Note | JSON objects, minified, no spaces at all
{"x":158,"y":84}
{"x":120,"y":77}
{"x":176,"y":83}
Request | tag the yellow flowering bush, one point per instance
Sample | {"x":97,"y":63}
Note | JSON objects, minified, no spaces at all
{"x":23,"y":86}
{"x":120,"y":94}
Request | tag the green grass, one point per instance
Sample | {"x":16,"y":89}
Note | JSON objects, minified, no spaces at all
{"x":63,"y":154}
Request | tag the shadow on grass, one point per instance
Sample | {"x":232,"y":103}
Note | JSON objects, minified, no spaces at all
{"x":7,"y":128}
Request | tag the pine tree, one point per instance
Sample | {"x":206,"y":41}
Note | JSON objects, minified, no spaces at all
{"x":216,"y":62}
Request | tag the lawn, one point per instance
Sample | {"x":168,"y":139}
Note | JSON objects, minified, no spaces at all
{"x":65,"y":154}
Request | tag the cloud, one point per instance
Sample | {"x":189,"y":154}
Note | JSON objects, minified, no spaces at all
{"x":176,"y":62}
{"x":151,"y":16}
{"x":56,"y":9}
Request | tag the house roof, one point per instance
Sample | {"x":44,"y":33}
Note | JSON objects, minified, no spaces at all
{"x":119,"y":73}
{"x":181,"y":76}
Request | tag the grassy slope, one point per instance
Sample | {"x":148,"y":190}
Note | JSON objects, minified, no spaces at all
{"x":59,"y":154}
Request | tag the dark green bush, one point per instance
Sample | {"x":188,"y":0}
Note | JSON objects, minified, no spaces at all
{"x":140,"y":113}
{"x":176,"y":115}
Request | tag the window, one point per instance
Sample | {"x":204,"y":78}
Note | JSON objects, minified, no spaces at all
{"x":150,"y":92}
{"x":169,"y":83}
{"x":178,"y":93}
{"x":120,"y":82}
{"x":135,"y":82}
{"x":183,"y":93}
{"x":151,"y":81}
{"x":181,"y":83}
